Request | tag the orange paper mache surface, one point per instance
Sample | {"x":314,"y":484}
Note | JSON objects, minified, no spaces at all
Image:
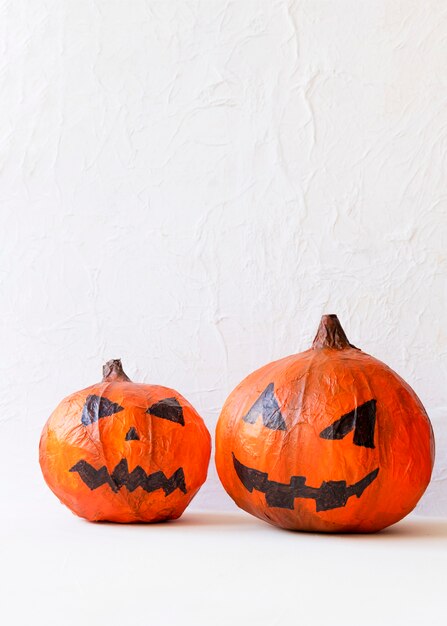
{"x":329,"y":440}
{"x":125,"y":452}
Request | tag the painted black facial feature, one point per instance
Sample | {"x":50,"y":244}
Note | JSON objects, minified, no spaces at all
{"x":329,"y":495}
{"x":168,"y":409}
{"x":132,"y":434}
{"x":121,"y":477}
{"x":362,"y":418}
{"x":96,"y":407}
{"x":267,"y":406}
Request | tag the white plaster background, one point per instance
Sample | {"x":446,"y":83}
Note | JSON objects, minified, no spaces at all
{"x":190,"y":185}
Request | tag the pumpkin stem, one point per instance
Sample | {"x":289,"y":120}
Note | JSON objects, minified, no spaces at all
{"x":113,"y":370}
{"x":330,"y":334}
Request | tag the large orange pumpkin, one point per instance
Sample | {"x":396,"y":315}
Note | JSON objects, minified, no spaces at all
{"x":327,"y":440}
{"x":125,"y":452}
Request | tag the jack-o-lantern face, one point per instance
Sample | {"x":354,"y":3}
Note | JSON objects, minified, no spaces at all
{"x":121,"y":451}
{"x":331,"y":494}
{"x":329,"y":439}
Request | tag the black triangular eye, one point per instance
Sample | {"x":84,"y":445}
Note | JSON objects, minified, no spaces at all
{"x":362,"y":418}
{"x":267,"y":406}
{"x":96,"y":407}
{"x":168,"y":409}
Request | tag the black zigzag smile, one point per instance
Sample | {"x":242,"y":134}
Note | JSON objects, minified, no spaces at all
{"x":330,"y":495}
{"x":121,"y":477}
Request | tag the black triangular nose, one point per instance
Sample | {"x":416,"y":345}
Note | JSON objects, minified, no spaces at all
{"x":132,"y":434}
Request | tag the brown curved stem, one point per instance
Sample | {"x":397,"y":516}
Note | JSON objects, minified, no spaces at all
{"x":113,"y":370}
{"x":330,"y":334}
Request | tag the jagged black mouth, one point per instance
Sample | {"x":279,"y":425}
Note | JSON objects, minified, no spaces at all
{"x":121,"y":477}
{"x":330,"y":495}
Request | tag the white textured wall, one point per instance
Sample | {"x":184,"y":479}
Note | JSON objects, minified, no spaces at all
{"x":189,"y":185}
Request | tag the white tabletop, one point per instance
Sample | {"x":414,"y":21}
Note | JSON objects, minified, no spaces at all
{"x":218,"y":569}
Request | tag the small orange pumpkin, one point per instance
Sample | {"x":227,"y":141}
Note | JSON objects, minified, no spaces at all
{"x":125,"y":452}
{"x":327,"y":440}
